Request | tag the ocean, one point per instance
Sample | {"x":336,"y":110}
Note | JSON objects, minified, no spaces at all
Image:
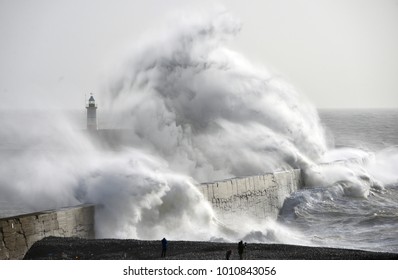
{"x":327,"y":217}
{"x":362,"y":128}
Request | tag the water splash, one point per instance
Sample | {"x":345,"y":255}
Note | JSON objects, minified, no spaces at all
{"x":208,"y":111}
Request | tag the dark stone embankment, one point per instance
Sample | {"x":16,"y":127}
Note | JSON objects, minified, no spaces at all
{"x":120,"y":249}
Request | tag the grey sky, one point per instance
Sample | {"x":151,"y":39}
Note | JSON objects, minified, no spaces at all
{"x":339,"y":53}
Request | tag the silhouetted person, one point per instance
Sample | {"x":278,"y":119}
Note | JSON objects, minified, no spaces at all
{"x":228,"y":254}
{"x":241,"y":248}
{"x":164,"y":247}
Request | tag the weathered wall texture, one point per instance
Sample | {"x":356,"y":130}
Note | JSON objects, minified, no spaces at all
{"x":18,"y":233}
{"x":259,"y":196}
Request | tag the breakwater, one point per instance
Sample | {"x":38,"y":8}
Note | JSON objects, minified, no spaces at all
{"x":257,"y":196}
{"x":18,"y":233}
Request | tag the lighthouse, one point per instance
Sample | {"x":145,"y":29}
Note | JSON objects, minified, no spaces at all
{"x":91,"y":114}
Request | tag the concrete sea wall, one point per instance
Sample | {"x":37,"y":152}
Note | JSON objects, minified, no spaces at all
{"x":17,"y":234}
{"x":258,"y":196}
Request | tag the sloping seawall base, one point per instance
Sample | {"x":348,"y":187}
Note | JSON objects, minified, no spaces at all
{"x":17,"y":234}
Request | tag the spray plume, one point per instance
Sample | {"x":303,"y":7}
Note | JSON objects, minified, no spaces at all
{"x":208,"y":111}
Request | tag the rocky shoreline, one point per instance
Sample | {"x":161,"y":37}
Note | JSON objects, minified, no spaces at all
{"x":56,"y":248}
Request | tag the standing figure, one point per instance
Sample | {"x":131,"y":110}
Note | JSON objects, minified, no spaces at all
{"x":164,"y":247}
{"x":241,"y":248}
{"x":228,"y":254}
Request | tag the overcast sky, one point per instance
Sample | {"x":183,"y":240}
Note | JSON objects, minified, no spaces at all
{"x":339,"y":53}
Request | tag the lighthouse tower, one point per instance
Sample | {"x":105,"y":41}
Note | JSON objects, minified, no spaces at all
{"x":91,"y":114}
